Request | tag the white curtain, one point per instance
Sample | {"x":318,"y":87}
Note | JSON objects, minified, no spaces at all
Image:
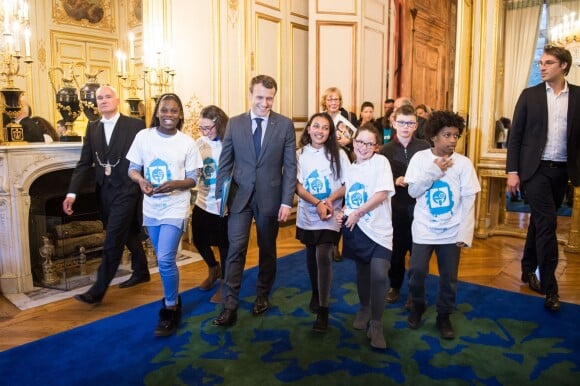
{"x":521,"y":36}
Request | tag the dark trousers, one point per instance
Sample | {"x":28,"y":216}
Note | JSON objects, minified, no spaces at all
{"x":544,"y":192}
{"x":448,"y":265}
{"x":118,"y":208}
{"x":402,"y":242}
{"x":239,"y":225}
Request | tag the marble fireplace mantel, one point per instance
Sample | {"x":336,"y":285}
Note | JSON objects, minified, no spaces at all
{"x":20,"y":166}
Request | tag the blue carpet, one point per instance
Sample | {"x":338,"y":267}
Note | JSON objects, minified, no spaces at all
{"x":502,"y":339}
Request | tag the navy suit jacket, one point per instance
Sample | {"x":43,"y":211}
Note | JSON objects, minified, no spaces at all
{"x":271,"y":177}
{"x":529,"y":133}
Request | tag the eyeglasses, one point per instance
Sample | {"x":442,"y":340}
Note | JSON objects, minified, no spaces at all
{"x":547,"y":63}
{"x":206,"y":128}
{"x":406,"y":123}
{"x":449,"y":135}
{"x":333,"y":99}
{"x":364,"y":144}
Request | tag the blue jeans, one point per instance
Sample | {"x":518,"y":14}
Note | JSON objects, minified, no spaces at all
{"x":165,"y":240}
{"x":448,"y":264}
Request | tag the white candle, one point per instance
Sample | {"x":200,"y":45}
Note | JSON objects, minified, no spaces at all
{"x":6,"y":6}
{"x":27,"y":35}
{"x":16,"y":29}
{"x":131,"y":46}
{"x":119,"y":60}
{"x":25,"y":11}
{"x":124,"y":64}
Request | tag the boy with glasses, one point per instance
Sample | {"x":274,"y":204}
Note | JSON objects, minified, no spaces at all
{"x":399,"y":152}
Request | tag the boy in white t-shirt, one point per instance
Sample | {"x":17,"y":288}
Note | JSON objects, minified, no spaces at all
{"x":445,"y":185}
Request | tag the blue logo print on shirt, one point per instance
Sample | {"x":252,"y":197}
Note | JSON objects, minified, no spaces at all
{"x":157,"y":173}
{"x":317,"y":186}
{"x":439,"y":198}
{"x":208,"y":172}
{"x":356,"y":196}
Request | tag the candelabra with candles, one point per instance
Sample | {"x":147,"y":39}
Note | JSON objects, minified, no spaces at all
{"x":159,"y":77}
{"x":15,"y":14}
{"x":129,"y":79}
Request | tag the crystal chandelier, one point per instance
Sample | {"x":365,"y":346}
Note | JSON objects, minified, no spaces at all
{"x":567,"y":34}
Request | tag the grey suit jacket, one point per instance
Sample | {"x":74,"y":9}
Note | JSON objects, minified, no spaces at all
{"x":271,"y":177}
{"x":529,"y":132}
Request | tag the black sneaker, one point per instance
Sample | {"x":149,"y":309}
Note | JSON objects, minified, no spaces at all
{"x":444,"y":325}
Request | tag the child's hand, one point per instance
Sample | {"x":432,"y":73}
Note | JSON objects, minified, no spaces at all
{"x":400,"y":181}
{"x":461,"y":244}
{"x":444,"y":162}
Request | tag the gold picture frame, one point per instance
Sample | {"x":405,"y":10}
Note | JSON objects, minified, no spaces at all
{"x":135,"y":13}
{"x":97,"y":14}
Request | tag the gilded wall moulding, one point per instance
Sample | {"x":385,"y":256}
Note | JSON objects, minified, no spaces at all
{"x":41,"y":54}
{"x":84,"y":13}
{"x":233,"y":12}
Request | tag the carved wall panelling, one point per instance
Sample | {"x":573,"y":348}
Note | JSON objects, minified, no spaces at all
{"x":373,"y":41}
{"x":374,"y":11}
{"x":299,"y":82}
{"x":96,"y":52}
{"x":299,"y":8}
{"x":268,"y":54}
{"x":278,"y":41}
{"x":272,"y":4}
{"x":336,"y":60}
{"x":333,"y":7}
{"x":428,"y":50}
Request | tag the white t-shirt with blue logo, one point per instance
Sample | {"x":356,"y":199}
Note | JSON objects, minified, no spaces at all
{"x":165,"y":158}
{"x":362,"y":181}
{"x":210,"y":153}
{"x":315,"y":175}
{"x":445,"y":200}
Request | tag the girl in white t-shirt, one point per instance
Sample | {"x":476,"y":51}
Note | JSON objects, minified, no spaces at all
{"x":367,"y":230}
{"x":320,"y":186}
{"x":208,"y":227}
{"x":165,"y":162}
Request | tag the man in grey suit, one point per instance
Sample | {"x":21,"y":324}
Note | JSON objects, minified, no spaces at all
{"x":259,"y":153}
{"x":543,"y":152}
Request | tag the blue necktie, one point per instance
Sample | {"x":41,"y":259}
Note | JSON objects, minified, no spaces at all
{"x":258,"y":136}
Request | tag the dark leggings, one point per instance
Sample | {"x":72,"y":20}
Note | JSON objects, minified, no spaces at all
{"x":319,"y":264}
{"x":372,"y":280}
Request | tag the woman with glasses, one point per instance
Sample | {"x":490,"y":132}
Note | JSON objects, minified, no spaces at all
{"x":367,"y":230}
{"x":331,"y":103}
{"x":208,"y":227}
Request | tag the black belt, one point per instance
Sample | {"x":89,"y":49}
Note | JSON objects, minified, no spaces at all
{"x":552,"y":164}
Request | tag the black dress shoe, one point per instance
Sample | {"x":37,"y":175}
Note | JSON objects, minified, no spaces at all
{"x":88,"y":298}
{"x":134,"y":280}
{"x":532,"y":281}
{"x":260,"y":305}
{"x":226,"y":318}
{"x":552,"y":302}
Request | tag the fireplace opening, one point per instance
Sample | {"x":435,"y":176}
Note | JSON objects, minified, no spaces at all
{"x":61,"y":246}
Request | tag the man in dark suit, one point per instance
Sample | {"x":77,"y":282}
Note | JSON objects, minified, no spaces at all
{"x":259,"y":152}
{"x":543,"y":153}
{"x":106,"y":144}
{"x":32,"y":132}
